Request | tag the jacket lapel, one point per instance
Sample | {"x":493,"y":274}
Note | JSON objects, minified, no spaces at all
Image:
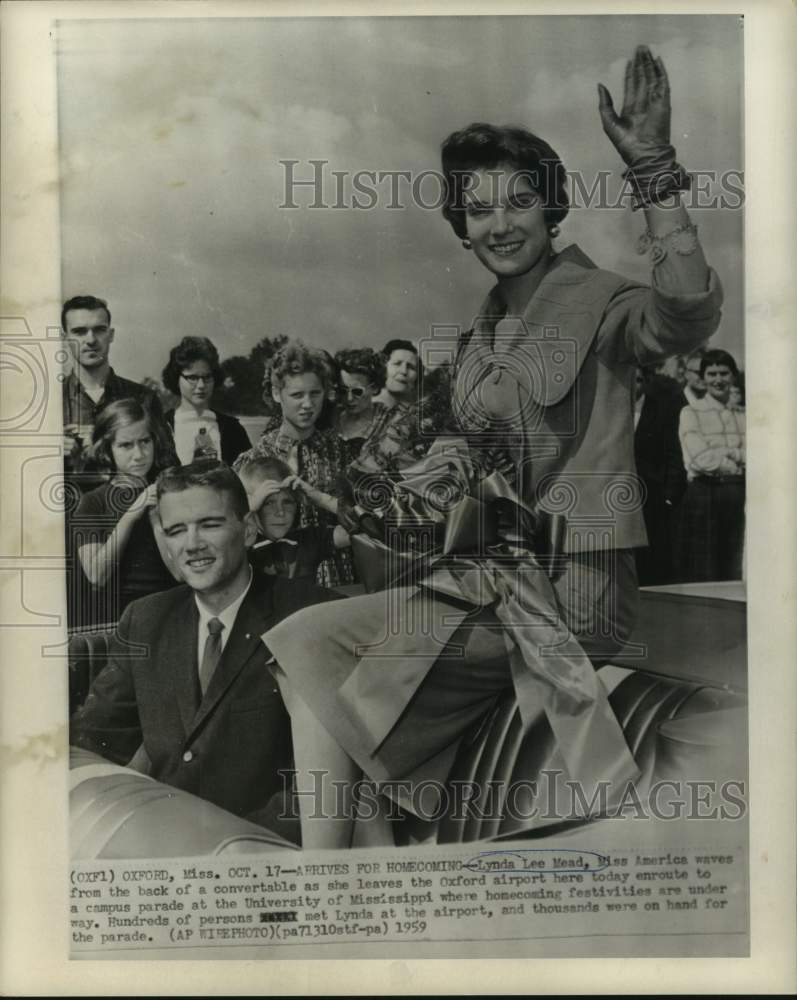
{"x":182,"y":658}
{"x":255,"y":616}
{"x":546,"y":347}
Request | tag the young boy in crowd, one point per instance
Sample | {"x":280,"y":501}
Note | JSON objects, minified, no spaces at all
{"x":283,"y":550}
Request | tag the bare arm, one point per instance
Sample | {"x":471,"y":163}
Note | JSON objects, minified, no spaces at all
{"x":316,"y":497}
{"x":100,"y":559}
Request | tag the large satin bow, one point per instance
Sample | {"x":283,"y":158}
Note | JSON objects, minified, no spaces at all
{"x":478,"y":550}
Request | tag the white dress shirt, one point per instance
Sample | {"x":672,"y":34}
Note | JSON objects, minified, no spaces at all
{"x":226,"y":616}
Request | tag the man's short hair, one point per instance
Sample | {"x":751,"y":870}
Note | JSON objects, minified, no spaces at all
{"x":717,"y":357}
{"x":215,"y":475}
{"x":90,"y":302}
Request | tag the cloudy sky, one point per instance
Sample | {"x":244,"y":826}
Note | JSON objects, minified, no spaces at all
{"x":172,"y":133}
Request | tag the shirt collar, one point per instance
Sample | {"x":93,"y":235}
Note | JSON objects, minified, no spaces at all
{"x":274,"y":541}
{"x":227,"y":615}
{"x":708,"y":402}
{"x":494,"y":308}
{"x":187,"y":415}
{"x":74,"y":379}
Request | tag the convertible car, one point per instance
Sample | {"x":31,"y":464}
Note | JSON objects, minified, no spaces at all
{"x":678,"y":689}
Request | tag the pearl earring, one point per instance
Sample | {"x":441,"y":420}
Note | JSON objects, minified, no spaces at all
{"x":553,"y":231}
{"x":467,"y":244}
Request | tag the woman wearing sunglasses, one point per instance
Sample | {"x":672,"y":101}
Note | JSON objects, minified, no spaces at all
{"x":192,"y":374}
{"x":360,"y":415}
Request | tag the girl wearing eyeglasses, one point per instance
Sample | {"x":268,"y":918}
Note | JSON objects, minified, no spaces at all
{"x":193,"y":373}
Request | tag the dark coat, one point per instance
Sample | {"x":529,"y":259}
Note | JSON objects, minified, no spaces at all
{"x":657,"y":449}
{"x":226,"y":747}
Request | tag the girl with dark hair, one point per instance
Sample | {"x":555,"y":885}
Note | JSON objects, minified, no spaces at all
{"x":547,"y":372}
{"x":192,"y":374}
{"x":119,"y":545}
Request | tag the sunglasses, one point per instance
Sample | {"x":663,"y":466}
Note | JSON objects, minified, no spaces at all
{"x":196,"y":379}
{"x":355,"y":391}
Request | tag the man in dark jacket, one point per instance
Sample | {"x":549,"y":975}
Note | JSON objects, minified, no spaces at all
{"x":92,"y":383}
{"x":659,"y":464}
{"x":187,"y":688}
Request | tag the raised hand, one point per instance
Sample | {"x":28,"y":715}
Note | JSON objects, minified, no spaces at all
{"x":260,"y":493}
{"x":146,"y":501}
{"x":294,"y":482}
{"x":643,"y":126}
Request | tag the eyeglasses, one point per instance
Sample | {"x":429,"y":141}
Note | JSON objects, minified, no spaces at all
{"x":196,"y":379}
{"x":355,"y":391}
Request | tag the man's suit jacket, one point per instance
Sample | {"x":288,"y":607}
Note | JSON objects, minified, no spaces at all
{"x":226,"y":747}
{"x":657,"y":450}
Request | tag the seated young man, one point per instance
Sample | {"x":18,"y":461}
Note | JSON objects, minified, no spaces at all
{"x":187,"y":683}
{"x":284,"y":550}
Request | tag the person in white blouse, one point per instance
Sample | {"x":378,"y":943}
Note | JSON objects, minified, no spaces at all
{"x":712,"y":437}
{"x":200,"y":432}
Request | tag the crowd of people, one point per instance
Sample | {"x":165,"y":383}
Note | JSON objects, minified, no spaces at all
{"x":689,"y":449}
{"x":328,"y":412}
{"x":509,"y":474}
{"x":325,"y":412}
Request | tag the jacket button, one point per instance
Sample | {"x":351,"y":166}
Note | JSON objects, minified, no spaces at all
{"x":188,"y":756}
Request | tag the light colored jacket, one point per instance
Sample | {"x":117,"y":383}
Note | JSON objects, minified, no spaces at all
{"x":556,"y":385}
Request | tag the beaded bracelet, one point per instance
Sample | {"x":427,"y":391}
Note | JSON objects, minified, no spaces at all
{"x":682,"y":239}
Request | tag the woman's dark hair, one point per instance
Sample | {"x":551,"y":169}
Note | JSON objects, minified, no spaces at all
{"x":485,"y":147}
{"x":363,"y":361}
{"x":404,"y":345}
{"x":122,"y":413}
{"x":189,"y":350}
{"x":717,"y":357}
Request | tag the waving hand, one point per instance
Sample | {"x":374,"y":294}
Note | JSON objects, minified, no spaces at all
{"x":643,"y":126}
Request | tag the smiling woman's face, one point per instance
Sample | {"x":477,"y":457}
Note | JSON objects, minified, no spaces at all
{"x":505,"y":221}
